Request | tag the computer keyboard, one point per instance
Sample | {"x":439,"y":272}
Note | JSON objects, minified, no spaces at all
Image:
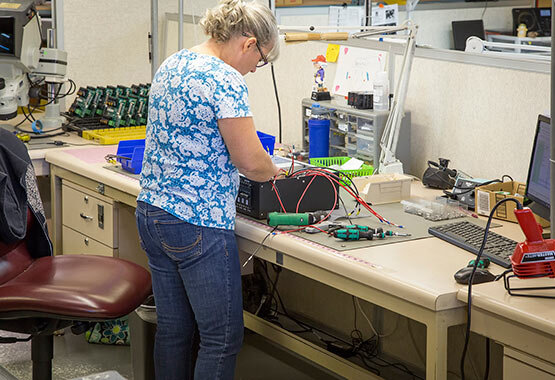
{"x":469,"y":236}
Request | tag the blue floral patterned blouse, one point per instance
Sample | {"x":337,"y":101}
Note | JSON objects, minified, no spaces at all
{"x":187,"y":170}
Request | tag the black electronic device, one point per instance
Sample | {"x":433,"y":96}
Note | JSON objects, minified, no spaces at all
{"x":464,"y":29}
{"x":320,"y":95}
{"x":538,"y":185}
{"x":7,"y":36}
{"x":536,"y":20}
{"x":257,"y":199}
{"x":14,"y":18}
{"x":469,"y":236}
{"x":463,"y":190}
{"x":438,"y":175}
{"x":360,"y":99}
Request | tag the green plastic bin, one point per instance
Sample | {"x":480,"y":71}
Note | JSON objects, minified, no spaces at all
{"x":340,"y":160}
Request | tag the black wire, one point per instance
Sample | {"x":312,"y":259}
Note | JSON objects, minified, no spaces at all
{"x":471,"y":278}
{"x":70,"y":91}
{"x":277,"y":99}
{"x":367,"y":12}
{"x":367,"y":365}
{"x":488,"y":343}
{"x":484,"y":12}
{"x":361,"y":348}
{"x":468,"y":189}
{"x":345,"y":209}
{"x":399,"y":366}
{"x":30,"y":112}
{"x":355,"y":311}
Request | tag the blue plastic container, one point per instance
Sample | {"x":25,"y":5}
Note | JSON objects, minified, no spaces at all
{"x":268,"y":142}
{"x":318,"y":137}
{"x":130,"y":154}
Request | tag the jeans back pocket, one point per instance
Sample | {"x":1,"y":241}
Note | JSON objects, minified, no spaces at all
{"x":179,"y":239}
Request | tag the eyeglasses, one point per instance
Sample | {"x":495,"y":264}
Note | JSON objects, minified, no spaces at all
{"x":263,"y":59}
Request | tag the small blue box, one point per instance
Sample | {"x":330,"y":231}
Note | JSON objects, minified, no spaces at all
{"x":130,"y":154}
{"x":268,"y":142}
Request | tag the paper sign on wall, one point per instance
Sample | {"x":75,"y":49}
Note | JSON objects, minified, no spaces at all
{"x":356,"y":69}
{"x":345,"y":16}
{"x":387,"y":15}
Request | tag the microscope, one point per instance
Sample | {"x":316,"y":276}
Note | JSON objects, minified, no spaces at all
{"x":23,"y":63}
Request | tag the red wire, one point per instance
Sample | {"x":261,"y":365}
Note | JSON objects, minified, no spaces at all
{"x":304,"y":192}
{"x":278,"y":197}
{"x":332,"y":179}
{"x":316,"y":173}
{"x":299,"y":229}
{"x":359,"y":199}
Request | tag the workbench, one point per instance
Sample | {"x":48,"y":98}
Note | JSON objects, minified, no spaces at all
{"x":413,"y":278}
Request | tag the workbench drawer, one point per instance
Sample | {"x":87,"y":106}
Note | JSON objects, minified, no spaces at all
{"x":89,"y":213}
{"x":75,"y":243}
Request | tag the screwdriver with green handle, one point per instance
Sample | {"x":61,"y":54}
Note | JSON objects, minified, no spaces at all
{"x":354,"y":234}
{"x":368,"y":233}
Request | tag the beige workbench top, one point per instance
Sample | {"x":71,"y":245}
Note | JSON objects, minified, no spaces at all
{"x":535,"y":313}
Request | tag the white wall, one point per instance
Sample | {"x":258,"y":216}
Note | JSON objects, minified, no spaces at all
{"x":481,"y":118}
{"x":107,"y":41}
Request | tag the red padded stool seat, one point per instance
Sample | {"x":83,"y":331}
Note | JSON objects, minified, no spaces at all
{"x":78,"y":286}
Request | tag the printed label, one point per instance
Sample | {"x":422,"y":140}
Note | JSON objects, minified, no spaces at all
{"x":482,"y":203}
{"x":538,"y":257}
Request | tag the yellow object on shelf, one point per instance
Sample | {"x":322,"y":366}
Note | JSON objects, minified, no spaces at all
{"x":108,"y":136}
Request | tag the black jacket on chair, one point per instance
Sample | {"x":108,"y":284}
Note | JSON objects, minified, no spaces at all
{"x":18,"y":186}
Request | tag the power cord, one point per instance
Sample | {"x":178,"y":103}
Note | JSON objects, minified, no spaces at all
{"x":365,"y":349}
{"x":471,"y":279}
{"x":277,"y":101}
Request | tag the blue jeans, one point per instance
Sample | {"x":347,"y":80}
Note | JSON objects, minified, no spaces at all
{"x":196,"y":280}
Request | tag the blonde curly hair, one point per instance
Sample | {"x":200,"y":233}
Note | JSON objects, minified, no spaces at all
{"x":236,"y":17}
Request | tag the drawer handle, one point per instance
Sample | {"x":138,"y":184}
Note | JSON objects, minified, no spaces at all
{"x":86,"y":217}
{"x":86,"y":241}
{"x":86,"y":199}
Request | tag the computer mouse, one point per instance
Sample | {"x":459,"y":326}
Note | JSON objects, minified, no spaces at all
{"x":481,"y":275}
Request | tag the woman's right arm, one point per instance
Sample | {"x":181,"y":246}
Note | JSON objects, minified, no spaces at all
{"x":245,"y":149}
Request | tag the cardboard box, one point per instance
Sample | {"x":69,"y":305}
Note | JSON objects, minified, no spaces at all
{"x":288,"y":3}
{"x":383,"y":188}
{"x":487,"y":196}
{"x":280,"y":3}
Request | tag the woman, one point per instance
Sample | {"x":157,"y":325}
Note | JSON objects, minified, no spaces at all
{"x":200,"y":133}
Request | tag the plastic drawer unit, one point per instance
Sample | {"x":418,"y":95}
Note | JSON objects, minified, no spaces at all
{"x":357,"y":133}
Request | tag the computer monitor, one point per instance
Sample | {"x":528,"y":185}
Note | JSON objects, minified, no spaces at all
{"x":538,"y":184}
{"x":464,"y":29}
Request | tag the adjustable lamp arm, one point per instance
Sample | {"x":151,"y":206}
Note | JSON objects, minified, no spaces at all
{"x":388,"y":144}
